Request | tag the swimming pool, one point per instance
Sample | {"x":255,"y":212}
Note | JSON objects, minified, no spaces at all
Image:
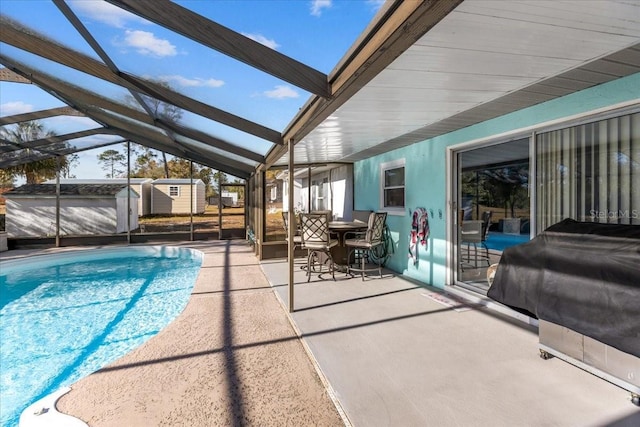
{"x":65,"y":316}
{"x":501,"y":241}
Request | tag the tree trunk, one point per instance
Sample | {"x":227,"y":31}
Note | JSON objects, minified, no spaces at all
{"x":166,"y":165}
{"x":31,"y":178}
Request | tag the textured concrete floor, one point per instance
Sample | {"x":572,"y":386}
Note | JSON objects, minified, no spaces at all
{"x":395,"y":357}
{"x":231,"y":358}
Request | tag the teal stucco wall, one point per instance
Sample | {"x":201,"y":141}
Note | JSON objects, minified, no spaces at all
{"x":425,"y":169}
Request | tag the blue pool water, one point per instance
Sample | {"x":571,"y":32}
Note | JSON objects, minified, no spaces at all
{"x":500,"y":241}
{"x":65,"y":316}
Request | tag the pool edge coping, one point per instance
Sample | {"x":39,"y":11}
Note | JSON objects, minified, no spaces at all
{"x":43,"y":412}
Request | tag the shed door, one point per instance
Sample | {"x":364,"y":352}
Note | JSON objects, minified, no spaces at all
{"x":121,"y":212}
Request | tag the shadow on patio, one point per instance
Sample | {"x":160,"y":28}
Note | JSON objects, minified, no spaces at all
{"x":396,"y":356}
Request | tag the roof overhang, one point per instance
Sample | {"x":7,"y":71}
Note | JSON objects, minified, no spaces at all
{"x":482,"y":60}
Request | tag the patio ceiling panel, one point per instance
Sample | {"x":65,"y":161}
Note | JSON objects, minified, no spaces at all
{"x":592,"y":77}
{"x":612,"y":68}
{"x":630,"y":57}
{"x":482,"y":60}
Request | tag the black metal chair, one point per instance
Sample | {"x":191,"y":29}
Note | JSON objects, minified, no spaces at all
{"x":364,"y":245}
{"x":472,"y":233}
{"x":486,"y":223}
{"x":317,"y":240}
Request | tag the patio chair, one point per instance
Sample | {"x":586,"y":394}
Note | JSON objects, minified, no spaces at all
{"x":471,"y":234}
{"x":364,"y":245}
{"x":360,"y":216}
{"x":317,"y":240}
{"x":297,"y":238}
{"x":328,"y":213}
{"x":486,"y":223}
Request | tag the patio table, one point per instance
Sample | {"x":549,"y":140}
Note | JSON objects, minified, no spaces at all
{"x":340,"y":252}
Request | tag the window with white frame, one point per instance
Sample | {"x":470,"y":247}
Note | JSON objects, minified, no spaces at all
{"x":174,"y":191}
{"x":392,"y":186}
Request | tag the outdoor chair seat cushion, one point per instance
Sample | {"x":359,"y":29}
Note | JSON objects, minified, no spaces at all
{"x":320,"y":245}
{"x":361,"y":243}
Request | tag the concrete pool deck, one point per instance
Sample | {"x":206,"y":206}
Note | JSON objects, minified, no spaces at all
{"x":230,"y":358}
{"x":388,"y":353}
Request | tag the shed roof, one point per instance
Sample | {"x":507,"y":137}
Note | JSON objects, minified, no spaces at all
{"x":180,"y":181}
{"x":100,"y":181}
{"x":67,"y":190}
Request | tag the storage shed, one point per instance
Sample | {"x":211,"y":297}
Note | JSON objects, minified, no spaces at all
{"x":142,"y":186}
{"x":229,"y":199}
{"x":85,"y":209}
{"x":173,"y":196}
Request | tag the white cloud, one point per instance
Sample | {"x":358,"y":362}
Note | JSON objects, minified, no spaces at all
{"x":262,"y":40}
{"x":106,"y":13}
{"x":13,"y":108}
{"x":194,"y":82}
{"x":281,"y":92}
{"x":318,"y":5}
{"x":148,"y":44}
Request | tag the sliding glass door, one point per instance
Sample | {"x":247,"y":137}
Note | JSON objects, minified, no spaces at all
{"x":493,"y":207}
{"x":589,"y":172}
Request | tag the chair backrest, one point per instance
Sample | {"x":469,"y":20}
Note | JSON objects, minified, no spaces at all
{"x":375,"y":227}
{"x":486,"y":222}
{"x":315,"y":229}
{"x":471,"y":232}
{"x":285,"y":223}
{"x":360,"y":216}
{"x":328,"y":213}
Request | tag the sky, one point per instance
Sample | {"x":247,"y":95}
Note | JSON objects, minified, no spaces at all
{"x":317,"y":33}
